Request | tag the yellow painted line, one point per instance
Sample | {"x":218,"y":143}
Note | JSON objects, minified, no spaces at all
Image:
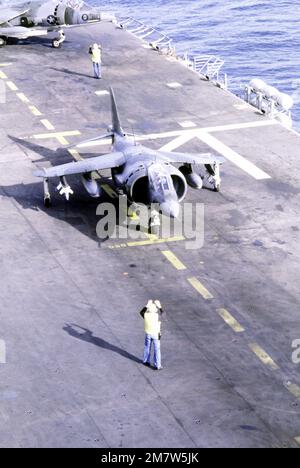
{"x":151,"y":236}
{"x":62,"y":140}
{"x":230,"y":320}
{"x":35,"y":111}
{"x":154,"y":241}
{"x":263,"y":356}
{"x":57,"y":135}
{"x":297,"y":439}
{"x":3,"y":76}
{"x":6,"y":64}
{"x":293,"y":389}
{"x":74,"y":153}
{"x":12,"y":86}
{"x":110,"y":192}
{"x":200,"y":288}
{"x":48,"y":125}
{"x":23,"y":98}
{"x":174,"y":260}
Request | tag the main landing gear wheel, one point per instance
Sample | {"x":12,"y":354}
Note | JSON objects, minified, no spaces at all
{"x":3,"y":42}
{"x":56,"y":44}
{"x":47,"y":202}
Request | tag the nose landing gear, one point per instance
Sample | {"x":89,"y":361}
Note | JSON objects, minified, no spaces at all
{"x":56,"y":43}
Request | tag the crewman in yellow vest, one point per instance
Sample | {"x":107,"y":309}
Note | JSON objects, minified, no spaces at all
{"x":152,"y":320}
{"x":96,"y":52}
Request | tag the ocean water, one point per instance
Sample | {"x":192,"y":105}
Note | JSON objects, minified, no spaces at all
{"x":257,"y":39}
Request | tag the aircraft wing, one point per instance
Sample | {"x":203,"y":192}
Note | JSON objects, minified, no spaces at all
{"x":19,"y":32}
{"x":98,"y":163}
{"x":184,"y":158}
{"x":9,"y":14}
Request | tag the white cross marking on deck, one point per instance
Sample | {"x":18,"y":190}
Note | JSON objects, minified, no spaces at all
{"x":2,"y":352}
{"x":174,"y":144}
{"x":234,"y":157}
{"x":194,"y":132}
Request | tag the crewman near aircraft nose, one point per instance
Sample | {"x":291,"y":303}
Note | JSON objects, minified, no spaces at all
{"x":96,"y":52}
{"x":152,"y":314}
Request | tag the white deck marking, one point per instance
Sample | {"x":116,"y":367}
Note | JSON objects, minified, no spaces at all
{"x":187,"y":124}
{"x":174,"y":144}
{"x":174,"y":85}
{"x":234,"y":157}
{"x":102,"y":93}
{"x":2,"y":352}
{"x":195,"y":132}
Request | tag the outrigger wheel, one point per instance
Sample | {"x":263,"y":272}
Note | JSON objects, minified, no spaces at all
{"x":3,"y":41}
{"x":47,"y":196}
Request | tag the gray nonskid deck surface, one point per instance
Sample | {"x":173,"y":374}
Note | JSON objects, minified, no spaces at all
{"x":69,"y":308}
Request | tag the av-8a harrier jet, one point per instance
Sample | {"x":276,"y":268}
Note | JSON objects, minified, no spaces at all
{"x":146,"y":176}
{"x":22,"y":20}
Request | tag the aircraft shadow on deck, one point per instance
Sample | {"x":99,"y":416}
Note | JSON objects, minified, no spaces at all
{"x":79,"y":211}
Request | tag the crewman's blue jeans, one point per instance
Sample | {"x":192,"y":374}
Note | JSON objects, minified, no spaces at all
{"x":97,"y":69}
{"x":147,"y":351}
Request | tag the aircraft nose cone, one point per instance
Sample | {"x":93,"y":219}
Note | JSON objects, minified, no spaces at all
{"x":171,"y":209}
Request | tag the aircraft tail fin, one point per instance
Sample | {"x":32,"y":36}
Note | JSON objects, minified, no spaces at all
{"x":116,"y":124}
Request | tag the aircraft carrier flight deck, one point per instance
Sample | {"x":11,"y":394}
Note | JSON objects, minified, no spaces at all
{"x":71,"y":334}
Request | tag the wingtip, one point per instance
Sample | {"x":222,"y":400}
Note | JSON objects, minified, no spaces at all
{"x":40,"y":173}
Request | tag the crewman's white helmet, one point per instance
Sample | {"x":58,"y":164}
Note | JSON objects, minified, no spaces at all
{"x":152,"y":309}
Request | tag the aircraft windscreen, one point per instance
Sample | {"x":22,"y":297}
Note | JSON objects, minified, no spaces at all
{"x":165,"y":183}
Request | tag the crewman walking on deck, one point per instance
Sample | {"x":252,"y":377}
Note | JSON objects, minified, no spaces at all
{"x":96,"y":52}
{"x":152,"y":314}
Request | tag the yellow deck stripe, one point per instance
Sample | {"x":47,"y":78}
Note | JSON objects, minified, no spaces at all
{"x":174,"y":260}
{"x":110,"y":192}
{"x":293,"y":389}
{"x":3,"y":76}
{"x":200,"y":288}
{"x":154,"y":241}
{"x":48,"y":125}
{"x":12,"y":86}
{"x":297,"y":439}
{"x":6,"y":64}
{"x":74,"y":153}
{"x":151,"y":236}
{"x":23,"y":98}
{"x":263,"y":356}
{"x":230,"y":320}
{"x":44,"y":136}
{"x":35,"y":111}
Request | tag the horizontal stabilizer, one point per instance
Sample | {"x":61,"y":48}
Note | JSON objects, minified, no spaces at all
{"x":93,"y":141}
